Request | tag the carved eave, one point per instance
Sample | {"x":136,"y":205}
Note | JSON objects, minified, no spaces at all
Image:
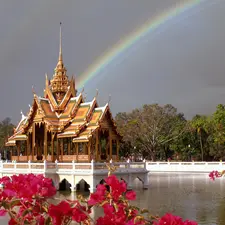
{"x":49,"y":95}
{"x":114,"y":126}
{"x":93,"y":106}
{"x":72,"y":85}
{"x":70,"y":93}
{"x":36,"y":114}
{"x":80,"y":100}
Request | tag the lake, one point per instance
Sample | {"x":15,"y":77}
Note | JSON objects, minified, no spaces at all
{"x":190,"y":196}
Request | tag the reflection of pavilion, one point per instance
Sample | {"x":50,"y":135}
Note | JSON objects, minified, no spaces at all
{"x":61,"y":125}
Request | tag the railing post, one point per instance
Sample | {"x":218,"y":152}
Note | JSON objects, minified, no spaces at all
{"x":128,"y":164}
{"x":1,"y":165}
{"x":145,"y":164}
{"x":221,"y":165}
{"x":29,"y":166}
{"x":56,"y":164}
{"x":92,"y":166}
{"x":73,"y":164}
{"x":45,"y":166}
{"x":15,"y":166}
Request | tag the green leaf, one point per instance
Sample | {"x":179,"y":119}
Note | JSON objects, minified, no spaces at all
{"x":14,"y":203}
{"x":48,"y":221}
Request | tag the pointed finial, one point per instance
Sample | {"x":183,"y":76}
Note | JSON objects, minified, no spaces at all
{"x":33,"y":90}
{"x":23,"y":117}
{"x":60,"y":42}
{"x":109,"y":99}
{"x":96,"y":95}
{"x":82,"y":90}
{"x":85,"y":96}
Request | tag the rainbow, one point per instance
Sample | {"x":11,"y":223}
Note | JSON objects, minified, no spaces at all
{"x":131,"y":39}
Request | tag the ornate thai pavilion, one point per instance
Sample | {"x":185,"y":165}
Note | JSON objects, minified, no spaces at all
{"x":61,"y":125}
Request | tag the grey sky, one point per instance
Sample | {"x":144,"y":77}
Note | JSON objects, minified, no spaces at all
{"x":183,"y":63}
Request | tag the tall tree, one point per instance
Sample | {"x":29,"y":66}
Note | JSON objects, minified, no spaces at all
{"x":6,"y":129}
{"x":151,"y":127}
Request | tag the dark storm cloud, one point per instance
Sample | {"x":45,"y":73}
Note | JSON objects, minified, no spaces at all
{"x":182,"y":65}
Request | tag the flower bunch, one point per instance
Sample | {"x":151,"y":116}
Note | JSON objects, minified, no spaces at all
{"x":26,"y":200}
{"x":215,"y":174}
{"x":113,"y":198}
{"x":173,"y":220}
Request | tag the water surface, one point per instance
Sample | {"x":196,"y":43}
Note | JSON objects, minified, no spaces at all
{"x":191,"y":196}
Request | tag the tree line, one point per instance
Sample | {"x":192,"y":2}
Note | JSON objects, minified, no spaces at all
{"x":157,"y":132}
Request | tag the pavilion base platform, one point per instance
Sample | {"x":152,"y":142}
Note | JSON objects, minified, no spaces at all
{"x":92,"y":173}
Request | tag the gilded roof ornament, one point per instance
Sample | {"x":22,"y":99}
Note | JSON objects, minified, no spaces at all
{"x":96,"y":95}
{"x":109,"y":99}
{"x":59,"y":82}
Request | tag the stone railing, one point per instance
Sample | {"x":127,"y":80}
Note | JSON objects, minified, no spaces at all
{"x":70,"y":167}
{"x":203,"y":167}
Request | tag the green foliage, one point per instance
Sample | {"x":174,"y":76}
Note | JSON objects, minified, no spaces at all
{"x":160,"y":132}
{"x":6,"y":129}
{"x":151,"y":128}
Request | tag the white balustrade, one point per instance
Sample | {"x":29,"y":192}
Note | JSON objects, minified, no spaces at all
{"x":70,"y":168}
{"x":203,"y":167}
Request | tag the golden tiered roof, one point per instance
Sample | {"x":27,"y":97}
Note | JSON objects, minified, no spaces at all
{"x":62,"y":111}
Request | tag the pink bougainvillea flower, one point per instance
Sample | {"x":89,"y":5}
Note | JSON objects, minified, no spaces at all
{"x":130,"y":195}
{"x":214,"y":174}
{"x":2,"y":212}
{"x":78,"y":213}
{"x":189,"y":222}
{"x":169,"y":219}
{"x":117,"y":187}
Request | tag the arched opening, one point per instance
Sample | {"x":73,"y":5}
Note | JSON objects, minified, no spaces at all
{"x":82,"y":186}
{"x":64,"y":185}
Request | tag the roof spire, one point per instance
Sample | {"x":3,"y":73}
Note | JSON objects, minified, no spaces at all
{"x":59,"y":82}
{"x":60,"y":41}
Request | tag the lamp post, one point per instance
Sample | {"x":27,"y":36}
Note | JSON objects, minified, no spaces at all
{"x":189,"y":146}
{"x":135,"y":152}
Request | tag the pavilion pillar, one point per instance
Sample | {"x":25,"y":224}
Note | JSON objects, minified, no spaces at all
{"x":52,"y":146}
{"x":84,"y":147}
{"x":18,"y":150}
{"x":96,"y":146}
{"x":33,"y":140}
{"x":117,"y":149}
{"x":76,"y":144}
{"x":110,"y":144}
{"x":28,"y":146}
{"x":45,"y":141}
{"x":69,"y":146}
{"x":89,"y":151}
{"x":57,"y":149}
{"x":61,"y":148}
